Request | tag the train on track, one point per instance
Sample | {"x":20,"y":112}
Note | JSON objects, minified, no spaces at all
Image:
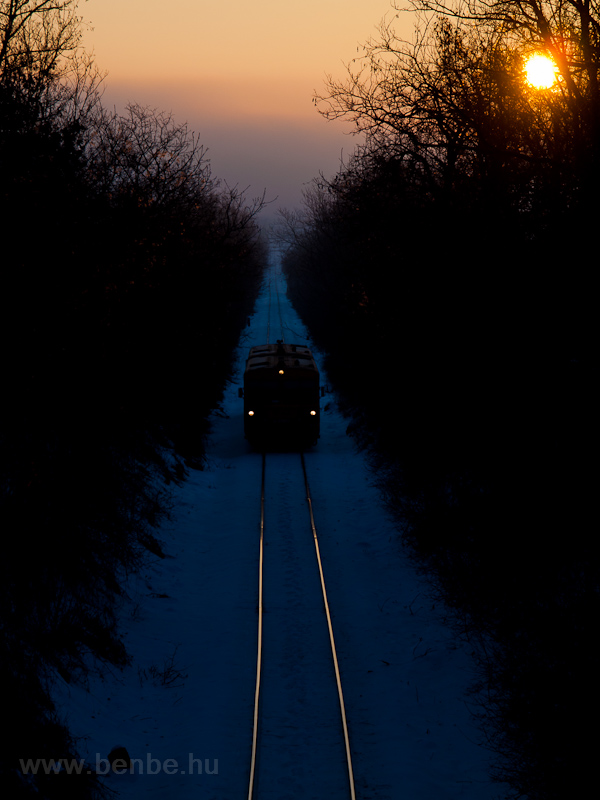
{"x":281,"y":396}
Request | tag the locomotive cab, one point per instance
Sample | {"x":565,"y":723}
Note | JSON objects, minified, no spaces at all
{"x":281,"y":395}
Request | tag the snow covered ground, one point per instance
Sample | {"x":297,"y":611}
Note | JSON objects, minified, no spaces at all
{"x":184,"y":708}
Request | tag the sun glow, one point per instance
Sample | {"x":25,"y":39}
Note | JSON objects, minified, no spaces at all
{"x":540,"y":71}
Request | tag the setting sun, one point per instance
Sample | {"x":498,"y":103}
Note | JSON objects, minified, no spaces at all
{"x":540,"y":71}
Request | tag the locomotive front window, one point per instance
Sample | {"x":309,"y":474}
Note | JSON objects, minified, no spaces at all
{"x":287,"y":391}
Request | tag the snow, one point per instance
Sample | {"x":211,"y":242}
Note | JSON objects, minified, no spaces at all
{"x":184,"y":707}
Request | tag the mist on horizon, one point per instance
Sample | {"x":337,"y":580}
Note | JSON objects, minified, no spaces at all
{"x":276,"y":154}
{"x":243,"y":77}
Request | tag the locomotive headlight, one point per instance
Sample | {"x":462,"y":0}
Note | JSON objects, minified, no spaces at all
{"x":251,"y":413}
{"x":313,"y":413}
{"x":281,"y":372}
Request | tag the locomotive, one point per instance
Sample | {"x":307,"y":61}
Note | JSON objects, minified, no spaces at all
{"x":281,"y":396}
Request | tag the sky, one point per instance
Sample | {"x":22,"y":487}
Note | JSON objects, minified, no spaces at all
{"x":242,"y":74}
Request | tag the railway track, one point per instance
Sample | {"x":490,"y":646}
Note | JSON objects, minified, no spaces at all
{"x":298,"y":689}
{"x":294,"y":708}
{"x":274,"y":290}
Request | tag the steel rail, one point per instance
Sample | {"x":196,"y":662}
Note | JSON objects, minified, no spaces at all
{"x":260,"y":627}
{"x":279,"y":305}
{"x":269,"y":312}
{"x":273,"y":279}
{"x":331,"y":638}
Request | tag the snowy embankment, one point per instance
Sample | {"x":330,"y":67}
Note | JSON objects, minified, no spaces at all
{"x":184,"y":708}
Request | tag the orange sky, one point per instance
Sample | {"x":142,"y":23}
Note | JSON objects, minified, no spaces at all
{"x":242,"y":73}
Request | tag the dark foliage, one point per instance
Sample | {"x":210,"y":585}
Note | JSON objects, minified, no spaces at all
{"x":127,"y":275}
{"x":458,"y":323}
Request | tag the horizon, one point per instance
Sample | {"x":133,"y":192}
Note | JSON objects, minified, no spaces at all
{"x":246,"y":89}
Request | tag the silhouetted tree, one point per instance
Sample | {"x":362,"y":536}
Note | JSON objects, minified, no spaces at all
{"x":454,"y":101}
{"x":125,"y":266}
{"x":35,"y":38}
{"x":445,"y":270}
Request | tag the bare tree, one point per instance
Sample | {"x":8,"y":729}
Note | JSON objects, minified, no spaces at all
{"x":567,"y":30}
{"x":454,"y":102}
{"x":146,"y":156}
{"x":35,"y":35}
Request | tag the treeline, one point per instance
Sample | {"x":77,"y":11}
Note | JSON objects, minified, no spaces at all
{"x":128,"y":272}
{"x":447,"y":273}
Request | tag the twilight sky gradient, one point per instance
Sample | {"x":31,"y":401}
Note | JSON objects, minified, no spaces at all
{"x":242,"y":73}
